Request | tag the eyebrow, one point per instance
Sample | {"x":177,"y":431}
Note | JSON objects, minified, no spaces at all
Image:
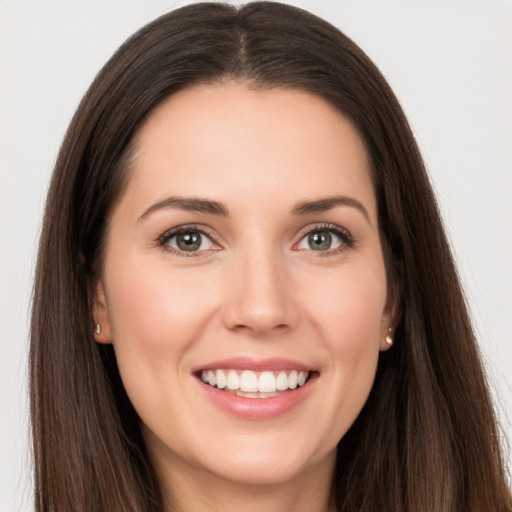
{"x":328,"y":203}
{"x":208,"y":206}
{"x":192,"y":204}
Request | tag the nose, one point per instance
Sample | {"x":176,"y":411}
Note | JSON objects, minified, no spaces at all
{"x":260,"y":297}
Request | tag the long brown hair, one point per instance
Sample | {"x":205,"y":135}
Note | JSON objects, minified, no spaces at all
{"x":427,"y":438}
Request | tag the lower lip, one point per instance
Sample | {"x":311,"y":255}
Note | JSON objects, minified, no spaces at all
{"x":258,"y":408}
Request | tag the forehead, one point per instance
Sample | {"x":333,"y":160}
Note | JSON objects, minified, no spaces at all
{"x":229,"y":141}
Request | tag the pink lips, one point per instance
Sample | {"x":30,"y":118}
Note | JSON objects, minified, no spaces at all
{"x":246,"y":363}
{"x":257,"y":408}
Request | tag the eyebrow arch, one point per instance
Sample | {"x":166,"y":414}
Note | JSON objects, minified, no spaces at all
{"x":328,"y":203}
{"x":192,"y":204}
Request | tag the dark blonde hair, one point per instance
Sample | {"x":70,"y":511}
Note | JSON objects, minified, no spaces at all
{"x":426,"y":440}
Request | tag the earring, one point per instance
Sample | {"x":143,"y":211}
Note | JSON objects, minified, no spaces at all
{"x":389,"y":339}
{"x":97,"y":329}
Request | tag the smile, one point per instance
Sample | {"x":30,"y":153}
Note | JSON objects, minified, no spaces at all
{"x":278,"y":385}
{"x":253,"y":384}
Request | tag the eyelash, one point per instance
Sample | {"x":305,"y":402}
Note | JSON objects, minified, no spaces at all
{"x":164,"y":238}
{"x":348,"y":240}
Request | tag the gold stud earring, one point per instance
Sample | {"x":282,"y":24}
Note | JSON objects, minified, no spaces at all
{"x":389,"y":339}
{"x":97,"y":329}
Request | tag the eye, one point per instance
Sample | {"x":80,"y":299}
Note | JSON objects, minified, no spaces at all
{"x":187,"y":240}
{"x":326,"y":239}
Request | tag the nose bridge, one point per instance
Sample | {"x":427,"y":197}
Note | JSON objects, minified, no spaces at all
{"x":260,"y":298}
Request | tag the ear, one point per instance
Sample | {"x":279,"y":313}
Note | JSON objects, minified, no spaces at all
{"x":390,"y":317}
{"x":101,"y":316}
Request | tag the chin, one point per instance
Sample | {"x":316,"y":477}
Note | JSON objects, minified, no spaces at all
{"x":267,"y":463}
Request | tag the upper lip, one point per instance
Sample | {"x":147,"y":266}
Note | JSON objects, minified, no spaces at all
{"x":256,"y":365}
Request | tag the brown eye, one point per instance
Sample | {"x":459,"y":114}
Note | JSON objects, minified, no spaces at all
{"x":320,"y":240}
{"x":190,"y":241}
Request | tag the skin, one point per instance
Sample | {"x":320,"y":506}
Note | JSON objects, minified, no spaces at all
{"x":257,"y":290}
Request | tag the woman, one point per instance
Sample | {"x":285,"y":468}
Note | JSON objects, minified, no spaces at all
{"x":244,"y":296}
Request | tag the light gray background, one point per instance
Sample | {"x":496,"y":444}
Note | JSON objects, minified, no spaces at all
{"x":449,"y":61}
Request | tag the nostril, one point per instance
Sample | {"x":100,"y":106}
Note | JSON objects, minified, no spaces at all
{"x":259,"y":328}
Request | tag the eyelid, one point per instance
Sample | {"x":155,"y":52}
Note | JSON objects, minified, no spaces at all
{"x":163,"y":239}
{"x":349,"y":241}
{"x":346,"y":236}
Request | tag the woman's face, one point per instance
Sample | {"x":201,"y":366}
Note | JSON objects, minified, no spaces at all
{"x":245,"y":251}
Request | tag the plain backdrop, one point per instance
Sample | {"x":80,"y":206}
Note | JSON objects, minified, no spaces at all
{"x":449,"y":61}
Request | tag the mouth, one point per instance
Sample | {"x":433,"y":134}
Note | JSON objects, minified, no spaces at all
{"x":254,"y":384}
{"x":256,"y":389}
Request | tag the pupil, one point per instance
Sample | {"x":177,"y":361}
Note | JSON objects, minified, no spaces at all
{"x":320,"y":241}
{"x":189,"y":241}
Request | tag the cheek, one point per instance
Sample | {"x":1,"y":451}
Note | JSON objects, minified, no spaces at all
{"x":349,"y":307}
{"x":155,"y":314}
{"x":349,"y":316}
{"x":146,"y":301}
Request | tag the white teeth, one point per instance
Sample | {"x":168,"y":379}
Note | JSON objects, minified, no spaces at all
{"x":256,"y":395}
{"x":233,"y":381}
{"x":247,"y":382}
{"x":282,"y":381}
{"x":221,"y":379}
{"x":267,"y":383}
{"x":292,"y":380}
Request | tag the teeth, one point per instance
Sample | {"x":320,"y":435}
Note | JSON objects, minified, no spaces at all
{"x":282,"y":381}
{"x":221,"y":379}
{"x":233,"y":381}
{"x":256,"y":395}
{"x":248,"y":381}
{"x":252,"y":384}
{"x":292,"y":380}
{"x":267,"y":383}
